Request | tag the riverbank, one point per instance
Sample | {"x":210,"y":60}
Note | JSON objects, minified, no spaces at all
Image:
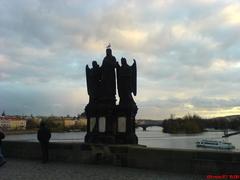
{"x":34,"y":131}
{"x":20,"y":132}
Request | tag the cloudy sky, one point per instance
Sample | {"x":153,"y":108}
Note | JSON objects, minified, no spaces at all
{"x":187,"y":53}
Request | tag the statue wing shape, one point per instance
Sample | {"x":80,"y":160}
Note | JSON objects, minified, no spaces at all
{"x":88,"y":77}
{"x":134,"y":78}
{"x":119,"y":85}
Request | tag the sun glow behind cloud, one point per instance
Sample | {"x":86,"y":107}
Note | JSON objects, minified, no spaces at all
{"x":231,"y":13}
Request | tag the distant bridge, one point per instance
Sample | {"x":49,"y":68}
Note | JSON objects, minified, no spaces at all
{"x":148,"y":123}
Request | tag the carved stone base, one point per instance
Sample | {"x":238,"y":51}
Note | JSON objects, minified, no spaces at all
{"x":100,"y":123}
{"x":111,"y":124}
{"x":125,"y":130}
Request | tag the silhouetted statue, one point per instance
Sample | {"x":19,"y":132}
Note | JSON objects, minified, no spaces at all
{"x":107,"y":122}
{"x":44,"y":136}
{"x":108,"y":78}
{"x":2,"y":159}
{"x":127,"y":82}
{"x":93,"y":81}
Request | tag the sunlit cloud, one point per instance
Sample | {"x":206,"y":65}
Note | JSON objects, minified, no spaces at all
{"x":134,"y":37}
{"x":231,"y":13}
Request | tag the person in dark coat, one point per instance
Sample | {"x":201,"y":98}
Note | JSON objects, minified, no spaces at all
{"x":44,"y":136}
{"x":2,"y":159}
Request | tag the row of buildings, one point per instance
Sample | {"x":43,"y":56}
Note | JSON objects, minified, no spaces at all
{"x":10,"y":122}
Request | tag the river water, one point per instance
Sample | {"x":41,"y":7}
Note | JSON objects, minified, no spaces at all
{"x":153,"y":137}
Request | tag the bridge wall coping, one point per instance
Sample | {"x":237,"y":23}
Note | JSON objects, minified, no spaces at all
{"x":135,"y":156}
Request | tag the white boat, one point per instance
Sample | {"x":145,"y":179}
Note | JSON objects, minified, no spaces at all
{"x":214,"y":144}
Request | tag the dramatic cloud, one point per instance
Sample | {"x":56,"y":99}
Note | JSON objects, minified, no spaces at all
{"x":187,"y":53}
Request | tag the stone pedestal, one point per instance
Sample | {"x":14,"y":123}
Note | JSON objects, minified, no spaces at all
{"x":125,"y":124}
{"x":111,"y":124}
{"x":100,"y":124}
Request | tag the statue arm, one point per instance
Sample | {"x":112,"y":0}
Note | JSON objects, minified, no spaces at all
{"x":117,"y":65}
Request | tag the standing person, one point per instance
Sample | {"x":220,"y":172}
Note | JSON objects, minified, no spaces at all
{"x":44,"y":136}
{"x":2,"y":159}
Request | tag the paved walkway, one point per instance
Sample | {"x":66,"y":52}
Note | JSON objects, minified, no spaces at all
{"x":16,"y":169}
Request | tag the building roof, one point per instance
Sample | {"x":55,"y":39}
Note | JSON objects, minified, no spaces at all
{"x":11,"y":118}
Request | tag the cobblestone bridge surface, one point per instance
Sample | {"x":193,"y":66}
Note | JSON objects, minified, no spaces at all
{"x":16,"y":169}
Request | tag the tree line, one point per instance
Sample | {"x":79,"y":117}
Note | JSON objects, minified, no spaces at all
{"x":55,"y":124}
{"x":195,"y":124}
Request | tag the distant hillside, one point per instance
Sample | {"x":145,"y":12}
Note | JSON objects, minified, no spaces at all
{"x":148,"y":121}
{"x":227,"y":122}
{"x":193,"y":123}
{"x":229,"y":118}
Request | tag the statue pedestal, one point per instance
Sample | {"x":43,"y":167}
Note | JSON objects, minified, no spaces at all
{"x":109,"y":124}
{"x":100,"y":123}
{"x":125,"y":125}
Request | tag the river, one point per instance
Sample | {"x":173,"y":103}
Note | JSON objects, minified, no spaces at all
{"x":153,"y":137}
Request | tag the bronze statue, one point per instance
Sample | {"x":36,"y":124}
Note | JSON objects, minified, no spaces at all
{"x":101,"y":81}
{"x":108,"y":78}
{"x":127,"y":82}
{"x":113,"y":123}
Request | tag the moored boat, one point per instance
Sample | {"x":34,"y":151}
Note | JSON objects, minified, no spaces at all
{"x":214,"y":144}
